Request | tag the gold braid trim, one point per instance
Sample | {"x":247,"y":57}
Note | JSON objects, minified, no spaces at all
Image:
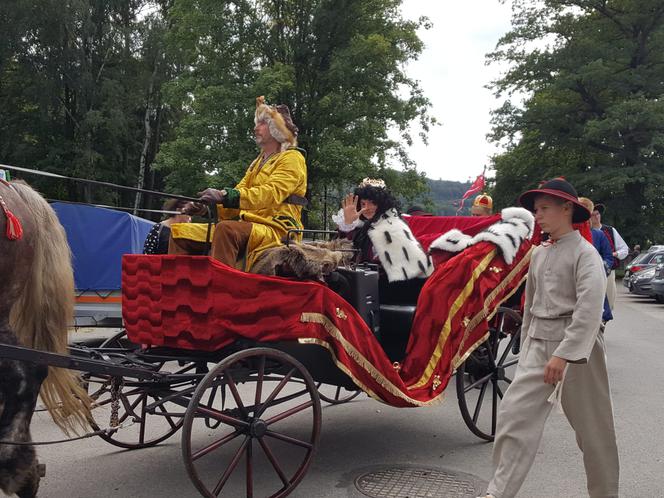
{"x":341,"y":366}
{"x":459,"y":361}
{"x":454,"y":309}
{"x":365,"y":364}
{"x":485,"y":314}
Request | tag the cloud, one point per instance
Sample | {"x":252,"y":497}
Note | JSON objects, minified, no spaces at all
{"x":453,"y":75}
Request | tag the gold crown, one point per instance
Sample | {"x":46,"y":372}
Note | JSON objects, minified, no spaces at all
{"x":373,"y":182}
{"x":483,"y":200}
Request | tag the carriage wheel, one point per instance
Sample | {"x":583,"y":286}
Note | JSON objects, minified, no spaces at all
{"x":260,"y":422}
{"x":483,"y":378}
{"x":336,"y":395}
{"x":146,"y":418}
{"x":118,"y":341}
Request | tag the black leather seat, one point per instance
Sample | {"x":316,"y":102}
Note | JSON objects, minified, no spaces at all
{"x":396,"y":321}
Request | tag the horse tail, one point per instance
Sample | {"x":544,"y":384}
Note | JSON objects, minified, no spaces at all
{"x":41,"y":315}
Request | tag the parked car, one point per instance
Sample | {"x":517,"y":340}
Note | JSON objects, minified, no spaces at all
{"x":644,"y":261}
{"x":658,"y":284}
{"x":656,"y":248}
{"x":640,"y":283}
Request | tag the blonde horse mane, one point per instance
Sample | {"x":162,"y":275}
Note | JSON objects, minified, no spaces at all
{"x":43,"y":311}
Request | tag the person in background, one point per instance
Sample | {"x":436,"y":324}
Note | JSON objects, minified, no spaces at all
{"x":417,"y":211}
{"x":482,"y":206}
{"x":633,"y":254}
{"x":619,"y":250}
{"x":603,"y":247}
{"x":157,"y":240}
{"x":563,"y":356}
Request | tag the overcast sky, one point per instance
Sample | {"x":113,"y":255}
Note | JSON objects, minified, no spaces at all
{"x":452,"y":73}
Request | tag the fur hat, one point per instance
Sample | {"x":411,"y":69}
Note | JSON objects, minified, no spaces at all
{"x":279,"y":121}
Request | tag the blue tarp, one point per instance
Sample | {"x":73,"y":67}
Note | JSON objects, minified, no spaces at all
{"x":98,"y":238}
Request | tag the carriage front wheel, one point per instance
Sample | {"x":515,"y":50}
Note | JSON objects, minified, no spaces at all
{"x":483,"y":378}
{"x":252,"y":426}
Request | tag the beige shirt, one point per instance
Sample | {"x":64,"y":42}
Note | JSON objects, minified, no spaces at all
{"x":565,"y":296}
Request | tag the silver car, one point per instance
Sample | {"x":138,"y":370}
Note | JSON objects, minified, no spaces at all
{"x":644,"y":261}
{"x":658,"y":284}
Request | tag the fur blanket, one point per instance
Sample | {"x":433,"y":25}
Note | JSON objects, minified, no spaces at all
{"x":516,"y":225}
{"x":312,"y":261}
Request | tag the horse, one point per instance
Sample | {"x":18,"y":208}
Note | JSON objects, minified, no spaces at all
{"x":36,"y":306}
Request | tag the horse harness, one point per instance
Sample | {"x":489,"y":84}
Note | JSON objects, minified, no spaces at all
{"x":14,"y":230}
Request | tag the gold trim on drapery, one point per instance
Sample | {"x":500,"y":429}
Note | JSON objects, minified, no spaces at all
{"x":365,"y":364}
{"x":447,"y":327}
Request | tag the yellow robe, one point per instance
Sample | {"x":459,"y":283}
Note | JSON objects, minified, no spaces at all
{"x":263,"y":191}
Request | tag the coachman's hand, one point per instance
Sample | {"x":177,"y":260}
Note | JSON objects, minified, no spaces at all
{"x":194,"y":209}
{"x":212,"y":196}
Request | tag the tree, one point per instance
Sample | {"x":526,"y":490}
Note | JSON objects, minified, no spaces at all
{"x":592,"y":73}
{"x":337,"y":64}
{"x":79,"y":81}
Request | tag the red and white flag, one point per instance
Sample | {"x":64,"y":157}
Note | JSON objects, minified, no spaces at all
{"x":475,"y":188}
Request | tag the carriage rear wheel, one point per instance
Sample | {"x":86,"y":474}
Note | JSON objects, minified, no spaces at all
{"x":336,"y":395}
{"x":145,"y":416}
{"x":247,"y":413}
{"x":484,"y":377}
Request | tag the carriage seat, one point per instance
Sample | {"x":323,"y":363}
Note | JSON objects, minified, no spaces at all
{"x":396,"y":321}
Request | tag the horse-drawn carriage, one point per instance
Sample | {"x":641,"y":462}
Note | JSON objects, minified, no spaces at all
{"x":240,"y":362}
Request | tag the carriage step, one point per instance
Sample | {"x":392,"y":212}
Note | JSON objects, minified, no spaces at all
{"x":41,"y":469}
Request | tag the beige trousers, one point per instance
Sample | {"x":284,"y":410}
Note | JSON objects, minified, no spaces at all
{"x":586,"y":401}
{"x":611,"y":289}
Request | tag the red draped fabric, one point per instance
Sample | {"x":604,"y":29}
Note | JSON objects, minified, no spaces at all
{"x":428,"y":228}
{"x":197,"y":303}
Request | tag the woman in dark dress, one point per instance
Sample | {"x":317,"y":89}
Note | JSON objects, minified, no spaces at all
{"x":157,"y":240}
{"x":370,"y":218}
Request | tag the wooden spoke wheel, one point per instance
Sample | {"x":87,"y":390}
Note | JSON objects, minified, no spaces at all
{"x":145,"y":411}
{"x":252,"y":426}
{"x":336,"y":395}
{"x":483,"y":378}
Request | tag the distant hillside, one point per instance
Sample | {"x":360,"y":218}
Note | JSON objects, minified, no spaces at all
{"x":443,"y":195}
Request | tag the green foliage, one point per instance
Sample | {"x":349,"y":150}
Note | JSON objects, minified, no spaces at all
{"x":74,"y":88}
{"x":161,"y":93}
{"x":337,"y":64}
{"x":592,"y":74}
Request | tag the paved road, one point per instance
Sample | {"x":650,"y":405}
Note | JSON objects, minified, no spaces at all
{"x":365,"y":433}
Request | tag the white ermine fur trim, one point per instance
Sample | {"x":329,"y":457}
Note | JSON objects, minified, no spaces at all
{"x":507,"y":234}
{"x":453,"y":241}
{"x":399,"y":252}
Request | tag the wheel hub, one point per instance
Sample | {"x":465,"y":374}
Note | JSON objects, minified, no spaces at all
{"x":500,"y":373}
{"x":257,"y":428}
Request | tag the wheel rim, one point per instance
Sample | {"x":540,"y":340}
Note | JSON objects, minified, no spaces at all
{"x":336,"y":395}
{"x":262,"y":421}
{"x":145,"y":413}
{"x":480,"y":386}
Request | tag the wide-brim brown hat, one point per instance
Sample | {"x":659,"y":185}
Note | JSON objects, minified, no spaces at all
{"x":562,"y":189}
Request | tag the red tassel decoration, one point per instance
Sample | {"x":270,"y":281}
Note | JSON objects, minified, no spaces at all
{"x":14,"y":229}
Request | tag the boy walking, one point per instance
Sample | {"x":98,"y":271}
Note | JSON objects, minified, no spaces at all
{"x":562,"y":354}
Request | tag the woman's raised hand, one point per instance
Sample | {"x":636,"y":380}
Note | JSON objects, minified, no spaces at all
{"x":349,"y":206}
